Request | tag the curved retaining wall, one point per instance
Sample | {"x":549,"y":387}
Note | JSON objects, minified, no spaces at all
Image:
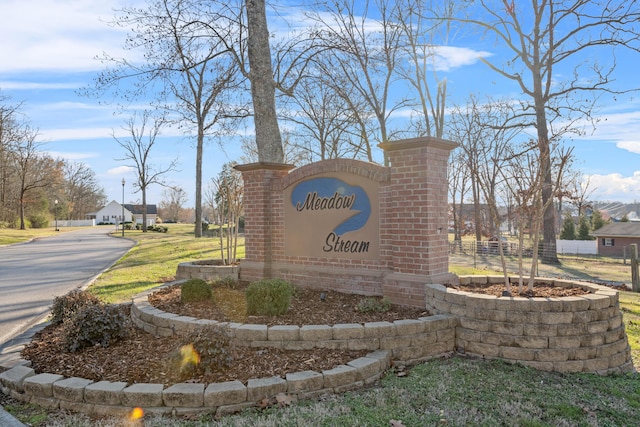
{"x":194,"y":270}
{"x":569,"y":334}
{"x":119,"y":398}
{"x":409,"y":341}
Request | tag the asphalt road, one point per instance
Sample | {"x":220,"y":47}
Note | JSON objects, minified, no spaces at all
{"x":33,"y":274}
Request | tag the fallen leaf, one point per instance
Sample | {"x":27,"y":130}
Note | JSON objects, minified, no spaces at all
{"x":264,"y":403}
{"x":284,"y":399}
{"x":396,"y":423}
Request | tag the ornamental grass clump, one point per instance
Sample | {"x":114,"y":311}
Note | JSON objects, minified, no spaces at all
{"x":205,"y":351}
{"x":269,"y":297}
{"x":196,"y":290}
{"x":374,"y":305}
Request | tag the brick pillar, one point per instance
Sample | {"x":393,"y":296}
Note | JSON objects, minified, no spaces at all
{"x":419,"y":208}
{"x":263,"y":216}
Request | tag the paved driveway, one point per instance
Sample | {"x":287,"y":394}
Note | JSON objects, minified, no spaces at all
{"x":33,"y":274}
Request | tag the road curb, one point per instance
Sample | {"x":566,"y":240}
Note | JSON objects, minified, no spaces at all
{"x":10,"y":357}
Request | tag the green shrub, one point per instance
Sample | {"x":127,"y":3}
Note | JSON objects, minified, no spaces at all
{"x":195,"y":290}
{"x":97,"y":324}
{"x":38,"y":221}
{"x":16,"y":223}
{"x":65,"y":307}
{"x":374,"y":305}
{"x":269,"y":297}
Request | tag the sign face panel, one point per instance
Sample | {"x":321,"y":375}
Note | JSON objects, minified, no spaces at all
{"x":332,"y":215}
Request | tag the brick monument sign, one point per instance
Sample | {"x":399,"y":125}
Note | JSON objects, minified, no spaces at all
{"x":352,"y":226}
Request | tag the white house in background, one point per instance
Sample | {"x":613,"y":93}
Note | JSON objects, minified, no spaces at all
{"x":137,"y":210}
{"x":112,"y":214}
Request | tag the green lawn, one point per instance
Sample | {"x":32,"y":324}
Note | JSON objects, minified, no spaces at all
{"x":10,"y":236}
{"x":444,"y":392}
{"x":153,"y":260}
{"x":452,"y":391}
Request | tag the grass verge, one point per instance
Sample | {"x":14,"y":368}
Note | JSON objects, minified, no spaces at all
{"x":448,"y":391}
{"x":154,"y":260}
{"x":11,"y":236}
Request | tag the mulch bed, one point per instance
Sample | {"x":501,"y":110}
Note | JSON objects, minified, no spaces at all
{"x":539,"y":290}
{"x":143,"y":358}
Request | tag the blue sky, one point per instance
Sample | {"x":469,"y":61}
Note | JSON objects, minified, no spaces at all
{"x":48,"y":49}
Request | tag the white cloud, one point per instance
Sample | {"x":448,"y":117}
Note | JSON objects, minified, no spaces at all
{"x":448,"y":58}
{"x":73,"y":156}
{"x":619,"y":127}
{"x":119,"y":171}
{"x":53,"y":35}
{"x":631,"y":146}
{"x":17,"y":85}
{"x":615,"y":186}
{"x":75,"y":133}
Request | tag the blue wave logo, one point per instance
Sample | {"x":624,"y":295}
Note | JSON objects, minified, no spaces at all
{"x":333,"y":193}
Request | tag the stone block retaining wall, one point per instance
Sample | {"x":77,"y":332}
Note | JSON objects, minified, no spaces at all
{"x":195,"y":270}
{"x":105,"y":398}
{"x":408,"y":341}
{"x":569,"y":334}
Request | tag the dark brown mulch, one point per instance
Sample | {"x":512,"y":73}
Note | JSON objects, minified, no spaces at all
{"x":308,"y":307}
{"x":539,"y":290}
{"x":143,"y":358}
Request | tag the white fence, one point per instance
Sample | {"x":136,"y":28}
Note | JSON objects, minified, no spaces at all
{"x":74,"y":223}
{"x":577,"y":247}
{"x":569,"y":247}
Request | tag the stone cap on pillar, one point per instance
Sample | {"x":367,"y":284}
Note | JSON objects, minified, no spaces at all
{"x":423,"y":141}
{"x":264,"y":166}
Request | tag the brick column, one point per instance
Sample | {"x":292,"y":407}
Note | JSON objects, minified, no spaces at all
{"x":263,"y":216}
{"x":419,"y":208}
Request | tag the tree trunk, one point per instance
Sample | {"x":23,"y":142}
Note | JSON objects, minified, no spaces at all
{"x":268,"y":139}
{"x":22,"y":224}
{"x":476,"y":209}
{"x":198,"y":206}
{"x":549,"y":253}
{"x":144,"y":209}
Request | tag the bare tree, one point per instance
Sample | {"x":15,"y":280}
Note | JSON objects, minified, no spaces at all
{"x":191,"y":70}
{"x":82,"y":193}
{"x":525,"y":182}
{"x":327,"y":120}
{"x":466,"y":128}
{"x":458,"y":188}
{"x":225,"y":196}
{"x":544,"y":38}
{"x":10,"y":134}
{"x":263,"y":86}
{"x":293,"y":153}
{"x":137,"y":148}
{"x":173,"y":199}
{"x":424,"y":32}
{"x":33,"y":169}
{"x":365,"y":53}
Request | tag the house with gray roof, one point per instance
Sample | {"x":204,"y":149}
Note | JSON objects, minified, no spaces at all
{"x":112,"y":214}
{"x":614,"y":239}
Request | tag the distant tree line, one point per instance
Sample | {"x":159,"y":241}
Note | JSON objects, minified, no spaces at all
{"x":35,"y":187}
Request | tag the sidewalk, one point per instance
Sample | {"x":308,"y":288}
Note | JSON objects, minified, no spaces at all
{"x":10,"y":357}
